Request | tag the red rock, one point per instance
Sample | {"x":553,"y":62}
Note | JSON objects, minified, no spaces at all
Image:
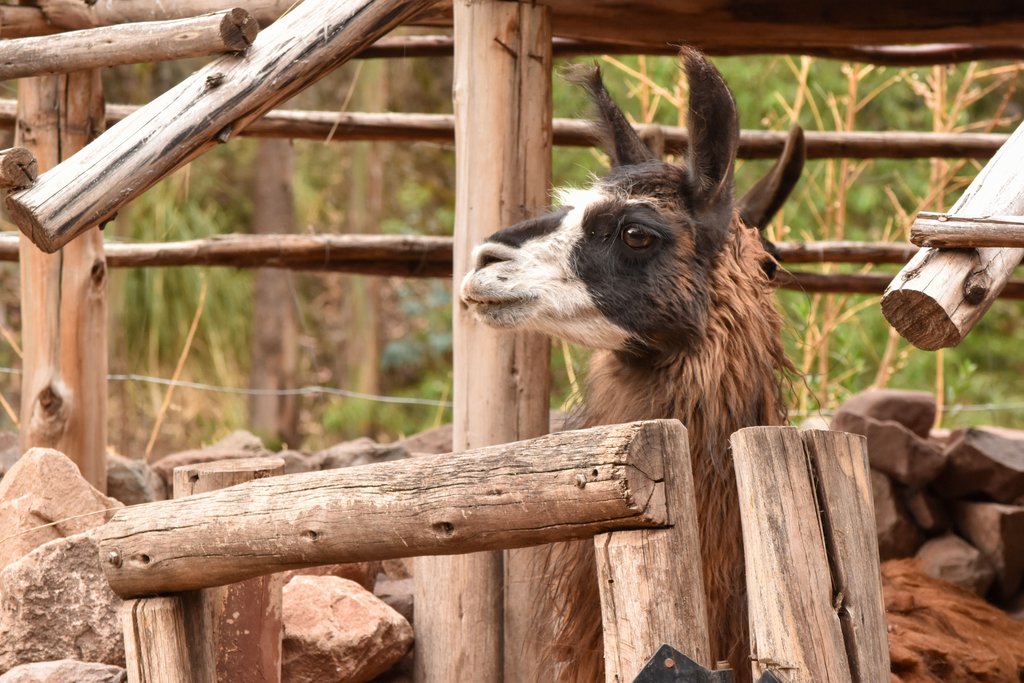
{"x":915,"y":410}
{"x":396,"y":594}
{"x":133,"y":481}
{"x":894,"y":449}
{"x":55,"y":603}
{"x":239,"y":444}
{"x":43,"y":498}
{"x":436,"y":440}
{"x":362,"y":451}
{"x":335,"y":630}
{"x":981,"y":462}
{"x":998,"y":532}
{"x":897,"y":535}
{"x":953,"y":559}
{"x":363,"y":573}
{"x":65,"y":671}
{"x":928,"y":512}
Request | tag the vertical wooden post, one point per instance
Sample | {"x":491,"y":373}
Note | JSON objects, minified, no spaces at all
{"x":502,"y":96}
{"x":234,"y":631}
{"x":154,"y":641}
{"x":813,"y":582}
{"x":275,"y":330}
{"x":652,"y":587}
{"x":63,"y":295}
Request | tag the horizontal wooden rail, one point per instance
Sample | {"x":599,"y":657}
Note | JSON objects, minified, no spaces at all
{"x":230,"y":30}
{"x":439,"y":129}
{"x":959,"y":232}
{"x":554,"y":488}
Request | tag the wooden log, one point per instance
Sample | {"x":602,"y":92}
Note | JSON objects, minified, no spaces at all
{"x":556,"y":487}
{"x":473,"y":614}
{"x":959,"y":232}
{"x":23,"y":21}
{"x":224,"y":96}
{"x":63,"y":295}
{"x":652,"y":590}
{"x":813,"y":584}
{"x":845,"y":252}
{"x":155,"y":648}
{"x":941,"y":294}
{"x":226,"y":31}
{"x":81,"y":14}
{"x":18,"y":168}
{"x":234,"y":631}
{"x":439,"y":129}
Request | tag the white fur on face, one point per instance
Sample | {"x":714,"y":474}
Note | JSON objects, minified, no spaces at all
{"x":534,"y":287}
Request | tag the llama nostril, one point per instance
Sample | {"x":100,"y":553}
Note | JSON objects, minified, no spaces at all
{"x":489,"y":253}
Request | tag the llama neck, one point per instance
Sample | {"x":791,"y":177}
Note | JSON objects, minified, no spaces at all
{"x":727,"y":381}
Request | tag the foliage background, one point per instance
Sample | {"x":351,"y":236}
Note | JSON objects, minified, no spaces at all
{"x":840,"y":344}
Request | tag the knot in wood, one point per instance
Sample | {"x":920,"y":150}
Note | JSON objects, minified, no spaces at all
{"x":976,"y":287}
{"x":98,"y":272}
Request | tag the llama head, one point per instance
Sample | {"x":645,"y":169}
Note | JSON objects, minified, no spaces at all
{"x":625,"y":264}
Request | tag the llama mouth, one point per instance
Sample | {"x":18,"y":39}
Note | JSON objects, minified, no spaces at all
{"x":500,"y":311}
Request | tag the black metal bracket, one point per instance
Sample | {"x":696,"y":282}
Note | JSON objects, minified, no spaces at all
{"x":669,"y":665}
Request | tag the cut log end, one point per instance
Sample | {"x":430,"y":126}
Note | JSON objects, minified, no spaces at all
{"x":29,"y":224}
{"x":920,"y":319}
{"x":238,"y":29}
{"x":18,"y":168}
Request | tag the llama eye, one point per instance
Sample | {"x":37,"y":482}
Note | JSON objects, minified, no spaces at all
{"x":638,"y":237}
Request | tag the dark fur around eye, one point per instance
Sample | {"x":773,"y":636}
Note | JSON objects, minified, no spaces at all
{"x":636,"y":236}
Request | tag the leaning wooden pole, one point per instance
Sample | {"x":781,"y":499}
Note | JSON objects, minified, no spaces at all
{"x":209,"y":107}
{"x":63,"y":295}
{"x":503,"y":155}
{"x":941,"y":294}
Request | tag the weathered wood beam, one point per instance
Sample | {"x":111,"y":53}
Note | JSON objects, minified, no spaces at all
{"x":207,"y":108}
{"x":155,"y":648}
{"x":440,"y":129}
{"x":944,"y":231}
{"x":940,"y":295}
{"x":845,"y":252}
{"x":156,"y":41}
{"x":813,"y":584}
{"x":18,"y":168}
{"x":557,"y":487}
{"x":83,"y":14}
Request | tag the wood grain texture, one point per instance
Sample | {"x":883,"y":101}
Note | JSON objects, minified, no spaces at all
{"x":82,"y":14}
{"x":816,"y":611}
{"x":557,"y":487}
{"x":960,"y":232}
{"x":234,"y":631}
{"x":154,"y":641}
{"x":940,"y":295}
{"x":652,"y":591}
{"x":203,"y":110}
{"x":226,"y":31}
{"x":18,"y":168}
{"x":63,"y":295}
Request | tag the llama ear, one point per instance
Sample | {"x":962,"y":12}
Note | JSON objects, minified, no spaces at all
{"x":767,"y":196}
{"x":714,"y":132}
{"x":618,"y":138}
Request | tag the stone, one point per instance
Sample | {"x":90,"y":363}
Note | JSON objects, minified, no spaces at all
{"x":816,"y":422}
{"x":897,"y":535}
{"x":55,"y":603}
{"x":133,"y":481}
{"x":985,"y":463}
{"x":396,"y":594}
{"x":363,"y":573}
{"x":953,"y":559}
{"x":915,"y":410}
{"x":44,"y":498}
{"x":928,"y":512}
{"x":296,"y":462}
{"x":398,"y":568}
{"x":998,"y":532}
{"x":895,"y":449}
{"x":362,"y":451}
{"x":10,"y":451}
{"x":65,"y":671}
{"x":436,"y":440}
{"x":238,"y":444}
{"x":335,"y":630}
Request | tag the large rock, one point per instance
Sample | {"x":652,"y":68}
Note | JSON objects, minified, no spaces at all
{"x":915,"y":410}
{"x":133,"y":481}
{"x":436,"y":440}
{"x":897,"y":535}
{"x":65,"y":671}
{"x":396,"y":594}
{"x":362,"y":451}
{"x":998,"y":532}
{"x":928,"y":512}
{"x":10,"y":451}
{"x":43,"y":498}
{"x":239,"y":444}
{"x":363,"y":573}
{"x":55,"y":603}
{"x":335,"y":630}
{"x":982,"y":462}
{"x":894,"y":449}
{"x":953,"y":559}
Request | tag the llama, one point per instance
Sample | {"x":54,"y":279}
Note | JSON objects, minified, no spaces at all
{"x":654,"y":267}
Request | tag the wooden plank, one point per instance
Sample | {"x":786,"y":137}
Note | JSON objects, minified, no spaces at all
{"x":507,"y":496}
{"x":439,"y":129}
{"x":652,"y":590}
{"x":197,"y":114}
{"x":233,"y":631}
{"x":75,"y":14}
{"x":18,"y":168}
{"x":154,"y":641}
{"x":63,"y":295}
{"x":940,"y":295}
{"x":226,"y":31}
{"x":500,"y":384}
{"x":943,"y":231}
